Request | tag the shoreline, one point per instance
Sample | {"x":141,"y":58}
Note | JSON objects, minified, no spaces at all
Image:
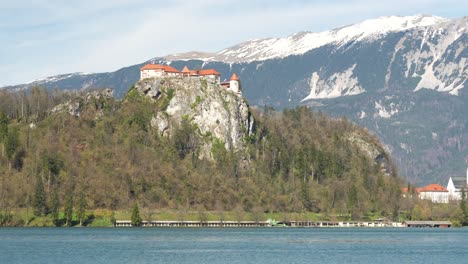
{"x":273,"y":223}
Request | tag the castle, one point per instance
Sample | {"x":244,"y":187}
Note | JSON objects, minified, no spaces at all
{"x":158,"y":70}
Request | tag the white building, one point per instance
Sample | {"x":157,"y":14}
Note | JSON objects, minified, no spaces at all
{"x":233,"y":85}
{"x":455,"y":186}
{"x":157,"y":70}
{"x":211,"y":75}
{"x":434,"y":192}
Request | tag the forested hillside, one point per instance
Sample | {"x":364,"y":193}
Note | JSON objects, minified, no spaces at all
{"x":95,"y":152}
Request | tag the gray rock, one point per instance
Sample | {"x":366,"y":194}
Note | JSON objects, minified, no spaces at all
{"x":216,"y":112}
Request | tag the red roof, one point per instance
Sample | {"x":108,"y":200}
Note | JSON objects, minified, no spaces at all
{"x":208,"y":72}
{"x":432,"y":188}
{"x":165,"y":68}
{"x":185,"y":69}
{"x":234,"y":77}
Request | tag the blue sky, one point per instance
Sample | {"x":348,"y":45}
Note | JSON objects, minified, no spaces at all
{"x":41,"y":38}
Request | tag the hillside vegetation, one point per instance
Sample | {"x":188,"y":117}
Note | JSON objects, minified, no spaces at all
{"x":105,"y":155}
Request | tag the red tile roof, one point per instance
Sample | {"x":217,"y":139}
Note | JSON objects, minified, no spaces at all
{"x":185,"y":69}
{"x":208,"y":72}
{"x":165,"y":68}
{"x":432,"y":188}
{"x":234,"y":77}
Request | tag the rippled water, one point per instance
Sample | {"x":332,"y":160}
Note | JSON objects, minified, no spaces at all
{"x":237,"y":245}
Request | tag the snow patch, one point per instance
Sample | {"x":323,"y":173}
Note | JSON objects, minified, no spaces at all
{"x":338,"y":84}
{"x":362,"y":115}
{"x":382,"y":112}
{"x":405,"y":147}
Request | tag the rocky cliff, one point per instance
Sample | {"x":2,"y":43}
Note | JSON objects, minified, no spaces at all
{"x":215,"y":113}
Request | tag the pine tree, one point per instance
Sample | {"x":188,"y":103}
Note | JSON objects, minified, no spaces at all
{"x":39,"y":202}
{"x":136,"y":219}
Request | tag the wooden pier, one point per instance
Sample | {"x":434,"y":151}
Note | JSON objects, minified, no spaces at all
{"x":127,"y":223}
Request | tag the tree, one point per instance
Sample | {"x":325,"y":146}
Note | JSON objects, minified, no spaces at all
{"x":54,"y":207}
{"x":80,"y":212}
{"x":68,"y":208}
{"x":136,"y":218}
{"x":11,"y":144}
{"x":3,"y":129}
{"x":39,"y":202}
{"x":463,"y":207}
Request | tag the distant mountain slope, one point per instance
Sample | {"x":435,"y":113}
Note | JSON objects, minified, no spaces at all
{"x":404,"y":78}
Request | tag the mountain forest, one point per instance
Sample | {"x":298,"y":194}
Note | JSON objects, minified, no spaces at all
{"x":69,"y":168}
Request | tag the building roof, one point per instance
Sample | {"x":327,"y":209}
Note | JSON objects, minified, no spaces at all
{"x":208,"y":72}
{"x":428,"y":222}
{"x":459,"y":182}
{"x":193,"y":72}
{"x":185,"y":69}
{"x":165,"y":68}
{"x":234,"y":77}
{"x":432,"y":188}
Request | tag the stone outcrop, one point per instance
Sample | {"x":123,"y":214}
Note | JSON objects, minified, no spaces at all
{"x":75,"y":106}
{"x":216,"y":112}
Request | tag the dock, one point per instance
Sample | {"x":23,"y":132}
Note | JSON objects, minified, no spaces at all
{"x":318,"y":224}
{"x":127,"y":223}
{"x":433,"y":224}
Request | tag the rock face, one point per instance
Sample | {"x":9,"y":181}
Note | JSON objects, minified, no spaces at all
{"x":75,"y":106}
{"x":215,"y":112}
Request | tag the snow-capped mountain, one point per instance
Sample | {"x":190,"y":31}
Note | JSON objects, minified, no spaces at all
{"x":405,"y":78}
{"x":300,"y":43}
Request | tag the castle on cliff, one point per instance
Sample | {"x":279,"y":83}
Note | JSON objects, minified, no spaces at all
{"x":158,"y":70}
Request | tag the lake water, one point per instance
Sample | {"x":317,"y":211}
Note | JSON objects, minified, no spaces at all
{"x":237,"y":245}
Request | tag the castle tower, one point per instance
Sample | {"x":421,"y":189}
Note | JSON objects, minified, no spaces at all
{"x":185,"y":71}
{"x":234,"y":84}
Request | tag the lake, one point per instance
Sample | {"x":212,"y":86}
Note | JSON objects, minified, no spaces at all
{"x":236,"y":245}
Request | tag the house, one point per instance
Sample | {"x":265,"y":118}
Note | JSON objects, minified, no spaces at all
{"x":434,"y":192}
{"x":157,"y":70}
{"x":437,"y":224}
{"x":211,"y":74}
{"x":455,"y":186}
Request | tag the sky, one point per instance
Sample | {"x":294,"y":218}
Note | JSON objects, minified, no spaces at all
{"x":41,"y":38}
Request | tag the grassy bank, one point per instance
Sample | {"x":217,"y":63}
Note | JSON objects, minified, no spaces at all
{"x":105,"y":218}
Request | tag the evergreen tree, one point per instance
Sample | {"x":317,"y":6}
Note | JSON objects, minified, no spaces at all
{"x":39,"y":201}
{"x":68,"y":208}
{"x":11,"y":142}
{"x":3,"y":129}
{"x":81,"y":207}
{"x":136,"y":218}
